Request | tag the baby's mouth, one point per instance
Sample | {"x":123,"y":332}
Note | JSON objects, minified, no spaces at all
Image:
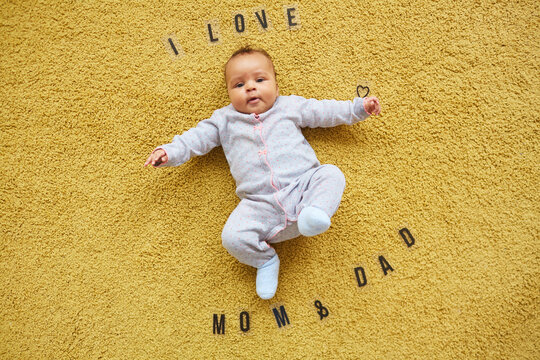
{"x":253,"y":100}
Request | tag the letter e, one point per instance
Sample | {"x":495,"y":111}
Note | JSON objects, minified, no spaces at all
{"x":291,"y":17}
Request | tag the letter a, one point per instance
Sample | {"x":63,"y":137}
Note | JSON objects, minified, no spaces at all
{"x":385,"y":265}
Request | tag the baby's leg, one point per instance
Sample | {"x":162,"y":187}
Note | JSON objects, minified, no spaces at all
{"x":244,"y":237}
{"x":320,"y":200}
{"x":246,"y":230}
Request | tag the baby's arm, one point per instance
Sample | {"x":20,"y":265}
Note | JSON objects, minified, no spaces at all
{"x":194,"y":142}
{"x":329,"y":113}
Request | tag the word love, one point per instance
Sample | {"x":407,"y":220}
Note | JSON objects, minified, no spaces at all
{"x":239,"y":22}
{"x":282,"y":319}
{"x":239,"y":25}
{"x":281,"y":316}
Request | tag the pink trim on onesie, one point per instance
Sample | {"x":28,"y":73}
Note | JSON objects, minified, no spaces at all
{"x":265,"y":152}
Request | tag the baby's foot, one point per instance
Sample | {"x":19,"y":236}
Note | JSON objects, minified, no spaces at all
{"x":267,"y":278}
{"x":313,"y":221}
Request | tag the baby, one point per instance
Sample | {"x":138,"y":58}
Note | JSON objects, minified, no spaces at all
{"x":285,"y":192}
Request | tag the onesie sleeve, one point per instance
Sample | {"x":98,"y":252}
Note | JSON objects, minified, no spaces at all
{"x":328,"y":113}
{"x":193,"y":142}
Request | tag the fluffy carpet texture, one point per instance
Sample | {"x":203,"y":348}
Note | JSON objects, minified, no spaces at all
{"x":101,"y":257}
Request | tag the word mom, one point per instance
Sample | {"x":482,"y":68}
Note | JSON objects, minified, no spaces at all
{"x":282,"y":319}
{"x":219,"y":323}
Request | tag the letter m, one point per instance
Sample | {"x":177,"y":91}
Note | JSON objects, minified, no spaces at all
{"x":281,"y":318}
{"x":219,"y":325}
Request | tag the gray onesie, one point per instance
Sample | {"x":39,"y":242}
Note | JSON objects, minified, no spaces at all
{"x":276,"y":171}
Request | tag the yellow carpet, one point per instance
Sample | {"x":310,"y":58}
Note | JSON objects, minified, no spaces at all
{"x":103,"y":258}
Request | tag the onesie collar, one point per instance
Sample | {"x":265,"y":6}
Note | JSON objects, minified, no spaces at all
{"x":262,"y":116}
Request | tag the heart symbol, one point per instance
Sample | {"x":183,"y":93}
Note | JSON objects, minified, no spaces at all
{"x":365,"y":88}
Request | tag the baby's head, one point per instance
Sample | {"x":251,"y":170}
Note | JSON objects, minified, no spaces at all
{"x":251,"y":81}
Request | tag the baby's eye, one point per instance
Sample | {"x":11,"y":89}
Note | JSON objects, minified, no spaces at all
{"x":260,"y":80}
{"x":239,"y":85}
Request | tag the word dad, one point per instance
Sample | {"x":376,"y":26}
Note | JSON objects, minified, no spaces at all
{"x":282,"y":319}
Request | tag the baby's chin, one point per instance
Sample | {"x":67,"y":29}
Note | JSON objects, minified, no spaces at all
{"x":258,"y":108}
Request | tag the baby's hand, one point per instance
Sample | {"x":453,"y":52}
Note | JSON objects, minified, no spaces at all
{"x":372,"y":106}
{"x":157,"y":158}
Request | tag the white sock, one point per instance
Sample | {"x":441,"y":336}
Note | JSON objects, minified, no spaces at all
{"x":267,"y":278}
{"x":313,"y":221}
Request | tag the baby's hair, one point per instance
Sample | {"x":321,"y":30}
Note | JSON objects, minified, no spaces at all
{"x":247,"y":49}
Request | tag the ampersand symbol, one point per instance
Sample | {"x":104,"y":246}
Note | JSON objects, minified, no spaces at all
{"x":323,"y":312}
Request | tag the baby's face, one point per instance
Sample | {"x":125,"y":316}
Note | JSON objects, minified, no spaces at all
{"x":251,"y":83}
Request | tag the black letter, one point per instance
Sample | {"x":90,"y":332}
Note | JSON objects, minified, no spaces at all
{"x":211,"y":36}
{"x":383,"y":261}
{"x":290,"y":16}
{"x":360,"y":284}
{"x":402,"y":233}
{"x":244,"y":314}
{"x":280,"y":319}
{"x":173,"y":47}
{"x":241,"y":17}
{"x":262,"y":21}
{"x":219,"y":325}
